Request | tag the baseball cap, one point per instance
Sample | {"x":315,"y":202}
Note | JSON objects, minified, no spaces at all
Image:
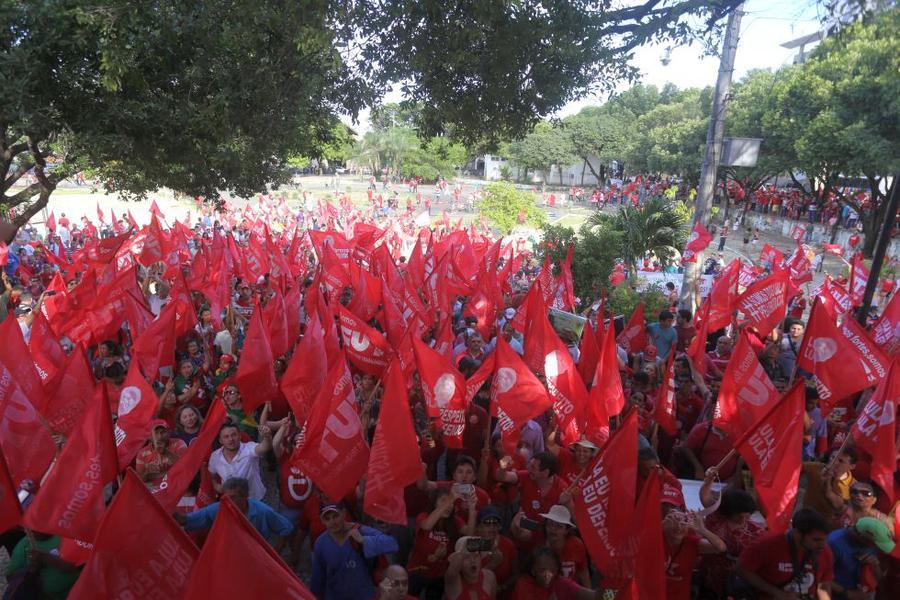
{"x":586,"y":443}
{"x":671,"y":495}
{"x":876,"y":532}
{"x":22,"y":309}
{"x":330,"y":507}
{"x":158,"y":423}
{"x":489,"y":512}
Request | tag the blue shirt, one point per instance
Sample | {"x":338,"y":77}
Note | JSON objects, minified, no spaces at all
{"x":847,"y":567}
{"x":266,"y":521}
{"x":339,"y":572}
{"x":663,"y":339}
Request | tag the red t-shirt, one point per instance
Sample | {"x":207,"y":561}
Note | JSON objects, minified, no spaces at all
{"x":459,"y":506}
{"x":717,"y":446}
{"x":770,"y":558}
{"x":573,"y":558}
{"x":533,"y":502}
{"x":560,"y":588}
{"x":680,"y":564}
{"x":507,"y":549}
{"x":430,"y":551}
{"x":568,"y":468}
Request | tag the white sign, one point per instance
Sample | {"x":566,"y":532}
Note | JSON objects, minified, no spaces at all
{"x":648,"y":278}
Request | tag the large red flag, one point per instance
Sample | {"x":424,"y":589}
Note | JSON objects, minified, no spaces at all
{"x":394,"y":460}
{"x":139,"y":550}
{"x":256,"y":368}
{"x":696,"y":352}
{"x":445,"y":392}
{"x":253,"y":568}
{"x":365,"y":347}
{"x":74,"y":390}
{"x":604,"y":498}
{"x":155,"y":347}
{"x":649,"y":563}
{"x":589,"y":354}
{"x":516,"y":394}
{"x":70,"y":502}
{"x":634,"y":336}
{"x":723,"y":295}
{"x":606,"y":391}
{"x":12,"y":352}
{"x":10,"y":509}
{"x":771,"y":448}
{"x":843,"y":359}
{"x":697,"y":242}
{"x":306,"y":371}
{"x":334,"y":454}
{"x":800,"y":267}
{"x":747,"y":392}
{"x":177,"y":479}
{"x":275,"y":319}
{"x":765,"y":302}
{"x":46,"y":351}
{"x":135,"y":409}
{"x":664,"y":409}
{"x":859,"y":275}
{"x":886,"y":330}
{"x":875,"y":431}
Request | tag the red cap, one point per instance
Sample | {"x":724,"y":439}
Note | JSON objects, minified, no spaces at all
{"x":671,"y":495}
{"x":158,"y":423}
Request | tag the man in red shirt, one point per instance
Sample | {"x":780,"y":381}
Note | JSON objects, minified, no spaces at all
{"x":539,"y":485}
{"x":157,"y":457}
{"x":796,"y":564}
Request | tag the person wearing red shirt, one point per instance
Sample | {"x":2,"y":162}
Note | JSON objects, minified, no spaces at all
{"x":706,"y":445}
{"x":559,"y":533}
{"x":539,"y":485}
{"x":464,"y":578}
{"x":543,"y":581}
{"x":463,"y":487}
{"x":574,"y":461}
{"x":796,"y":564}
{"x":685,"y":538}
{"x":502,"y":560}
{"x":649,"y":460}
{"x":156,"y":458}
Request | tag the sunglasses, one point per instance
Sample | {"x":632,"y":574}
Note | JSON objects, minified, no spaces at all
{"x":491,"y":522}
{"x":865,"y":493}
{"x":230,"y":392}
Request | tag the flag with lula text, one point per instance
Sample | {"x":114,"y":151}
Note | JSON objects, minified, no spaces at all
{"x":875,"y":430}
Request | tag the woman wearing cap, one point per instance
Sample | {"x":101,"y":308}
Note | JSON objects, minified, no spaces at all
{"x":573,"y":560}
{"x":543,"y":581}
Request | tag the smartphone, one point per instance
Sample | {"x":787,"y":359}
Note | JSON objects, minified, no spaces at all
{"x":529,"y":524}
{"x":50,"y":293}
{"x":464,"y":489}
{"x":475,"y":544}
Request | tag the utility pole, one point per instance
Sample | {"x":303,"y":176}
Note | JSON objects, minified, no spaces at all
{"x":881,"y":245}
{"x":711,"y":157}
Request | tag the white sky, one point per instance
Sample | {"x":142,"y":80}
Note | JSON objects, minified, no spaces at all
{"x":766,"y":25}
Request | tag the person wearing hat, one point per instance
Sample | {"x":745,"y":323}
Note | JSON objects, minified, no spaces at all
{"x":502,"y":560}
{"x":685,"y":538}
{"x":559,"y":531}
{"x":572,"y":461}
{"x":341,"y":556}
{"x":158,"y":456}
{"x":465,"y":579}
{"x":855,"y":549}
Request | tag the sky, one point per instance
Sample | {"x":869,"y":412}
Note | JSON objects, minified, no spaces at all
{"x":765,"y":25}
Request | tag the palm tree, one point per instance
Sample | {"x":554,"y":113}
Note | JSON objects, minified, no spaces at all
{"x":654,"y":229}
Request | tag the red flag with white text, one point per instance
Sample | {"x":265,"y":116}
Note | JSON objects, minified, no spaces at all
{"x":746,"y":393}
{"x":875,"y":430}
{"x":445,"y":392}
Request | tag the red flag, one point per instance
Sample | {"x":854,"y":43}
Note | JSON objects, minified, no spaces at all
{"x":886,"y":330}
{"x":24,"y":438}
{"x":875,"y":431}
{"x":771,"y":256}
{"x":771,"y":448}
{"x":800,"y":267}
{"x":833,"y":296}
{"x":131,"y":221}
{"x":365,"y":347}
{"x":697,"y":243}
{"x":10,"y":509}
{"x":634,"y":337}
{"x":70,"y":502}
{"x":154,"y":210}
{"x":723,"y":295}
{"x":516,"y":394}
{"x":859,"y":275}
{"x":135,"y":409}
{"x":305,"y":373}
{"x":604,"y":500}
{"x":256,"y":368}
{"x":100,"y":214}
{"x":394,"y":460}
{"x":334,"y":453}
{"x":696,"y":352}
{"x":444,"y":388}
{"x":764,"y":303}
{"x":155,"y":348}
{"x":73,"y":391}
{"x":843,"y":359}
{"x":178,"y":478}
{"x":276,"y":322}
{"x":589,"y":355}
{"x":664,"y":410}
{"x":254,"y":569}
{"x":4,"y":254}
{"x":835,"y":249}
{"x":139,"y":550}
{"x":746,"y":394}
{"x":649,"y":566}
{"x":46,"y":351}
{"x":606,"y":390}
{"x":51,"y":222}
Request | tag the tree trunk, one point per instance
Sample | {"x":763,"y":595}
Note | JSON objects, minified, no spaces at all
{"x":33,"y":208}
{"x":582,"y":171}
{"x":597,"y":176}
{"x":559,"y":168}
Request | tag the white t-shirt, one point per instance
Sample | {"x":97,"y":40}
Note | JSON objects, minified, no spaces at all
{"x":244,"y":465}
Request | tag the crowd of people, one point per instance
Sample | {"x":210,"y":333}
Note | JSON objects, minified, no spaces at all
{"x":309,"y":342}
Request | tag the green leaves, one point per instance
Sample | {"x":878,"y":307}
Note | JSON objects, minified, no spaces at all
{"x":654,"y":229}
{"x":502,"y":204}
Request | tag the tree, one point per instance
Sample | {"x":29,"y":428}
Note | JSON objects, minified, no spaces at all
{"x":654,"y":229}
{"x":597,"y":132}
{"x":438,"y":157}
{"x":542,"y":149}
{"x":506,"y":207}
{"x":835,"y":116}
{"x":593,"y":259}
{"x":394,"y":114}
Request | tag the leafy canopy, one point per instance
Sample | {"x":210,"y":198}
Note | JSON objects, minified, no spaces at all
{"x":502,"y":204}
